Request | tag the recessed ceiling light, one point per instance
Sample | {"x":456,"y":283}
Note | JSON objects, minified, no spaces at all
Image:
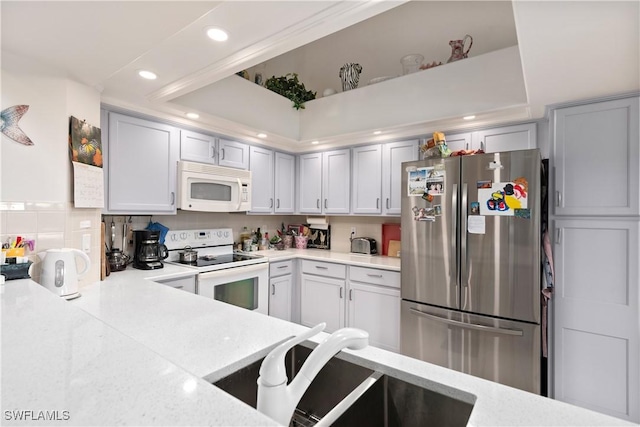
{"x":378,"y":132}
{"x":217,"y":34}
{"x":469,"y":117}
{"x":262,"y":135}
{"x":315,"y":142}
{"x":147,"y":75}
{"x":193,"y":115}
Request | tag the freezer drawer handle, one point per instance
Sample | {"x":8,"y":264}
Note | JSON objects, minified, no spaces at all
{"x":374,"y":275}
{"x":516,"y":332}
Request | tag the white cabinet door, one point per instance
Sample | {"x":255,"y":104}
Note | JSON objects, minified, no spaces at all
{"x":280,"y":297}
{"x":310,"y":183}
{"x":508,"y":138}
{"x":284,"y":185}
{"x":596,"y":157}
{"x":142,"y":163}
{"x":459,"y":141}
{"x":233,"y":154}
{"x":367,"y":179}
{"x":336,"y":168}
{"x":261,"y":162}
{"x":322,"y":300}
{"x":393,"y":155}
{"x":596,"y":359}
{"x":376,"y":310}
{"x":197,"y":147}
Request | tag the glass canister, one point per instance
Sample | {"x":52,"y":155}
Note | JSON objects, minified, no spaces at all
{"x":411,"y":63}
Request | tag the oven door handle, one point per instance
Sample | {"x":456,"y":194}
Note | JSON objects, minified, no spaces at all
{"x":225,"y":272}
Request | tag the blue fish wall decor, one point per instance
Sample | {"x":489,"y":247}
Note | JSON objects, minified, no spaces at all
{"x":9,"y":119}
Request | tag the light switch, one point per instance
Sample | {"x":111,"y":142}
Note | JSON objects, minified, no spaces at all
{"x":86,"y":243}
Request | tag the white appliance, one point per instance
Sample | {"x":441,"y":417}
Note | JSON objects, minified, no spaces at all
{"x":232,"y":277}
{"x":60,"y":272}
{"x":208,"y":188}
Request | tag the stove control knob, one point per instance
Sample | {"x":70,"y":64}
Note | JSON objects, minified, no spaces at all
{"x":184,"y":235}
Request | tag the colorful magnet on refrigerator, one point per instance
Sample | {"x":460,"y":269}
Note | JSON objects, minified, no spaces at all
{"x":484,"y":184}
{"x":428,"y":197}
{"x":437,"y":210}
{"x":522,"y":213}
{"x":474,"y":208}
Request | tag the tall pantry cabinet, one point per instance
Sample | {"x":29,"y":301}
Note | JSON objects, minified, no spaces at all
{"x":596,"y":244}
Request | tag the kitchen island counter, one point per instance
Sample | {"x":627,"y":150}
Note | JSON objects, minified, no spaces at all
{"x":135,"y":352}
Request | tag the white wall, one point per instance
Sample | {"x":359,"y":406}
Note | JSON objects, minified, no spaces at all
{"x":36,"y":191}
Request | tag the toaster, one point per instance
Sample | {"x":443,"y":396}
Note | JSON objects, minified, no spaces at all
{"x":364,"y":245}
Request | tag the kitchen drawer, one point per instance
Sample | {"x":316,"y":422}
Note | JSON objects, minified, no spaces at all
{"x":185,"y":283}
{"x":375,"y":276}
{"x":325,"y":269}
{"x":280,"y":268}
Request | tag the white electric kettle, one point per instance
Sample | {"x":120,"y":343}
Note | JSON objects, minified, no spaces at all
{"x":60,"y":273}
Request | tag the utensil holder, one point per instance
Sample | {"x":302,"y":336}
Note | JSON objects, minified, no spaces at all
{"x":301,"y":242}
{"x":288,"y":241}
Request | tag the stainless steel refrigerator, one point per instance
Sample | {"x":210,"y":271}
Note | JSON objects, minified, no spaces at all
{"x":471,"y":265}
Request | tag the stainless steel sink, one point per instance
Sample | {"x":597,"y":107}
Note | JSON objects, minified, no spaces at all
{"x":378,"y":400}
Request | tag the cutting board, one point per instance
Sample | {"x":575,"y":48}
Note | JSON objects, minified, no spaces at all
{"x":389,"y":232}
{"x":394,"y":248}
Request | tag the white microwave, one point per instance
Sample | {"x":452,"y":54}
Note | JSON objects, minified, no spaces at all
{"x":208,"y":188}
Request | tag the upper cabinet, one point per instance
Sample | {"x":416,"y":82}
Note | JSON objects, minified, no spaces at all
{"x":506,"y":138}
{"x":596,"y":156}
{"x":197,"y":147}
{"x":261,"y":162}
{"x":324,"y":182}
{"x":272,"y":177}
{"x":367,"y":179}
{"x":377,"y":174}
{"x":393,"y":155}
{"x":142,"y":163}
{"x":233,"y":154}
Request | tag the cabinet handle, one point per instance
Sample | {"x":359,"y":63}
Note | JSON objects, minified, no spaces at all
{"x":321,"y":267}
{"x":558,"y":236}
{"x":282,"y":266}
{"x":222,"y":154}
{"x":212,"y":150}
{"x":340,"y":292}
{"x":378,"y":203}
{"x":318,"y":203}
{"x":173,"y":198}
{"x":271,"y":203}
{"x":387,"y":203}
{"x":273,"y":289}
{"x":277,"y":203}
{"x":325,"y":203}
{"x":374,"y":275}
{"x":350,"y":294}
{"x":558,"y":199}
{"x":482,"y":146}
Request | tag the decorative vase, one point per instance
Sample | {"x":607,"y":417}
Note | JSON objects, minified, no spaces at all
{"x":457,"y":48}
{"x":288,"y":241}
{"x":350,"y":75}
{"x":301,"y":242}
{"x":411,"y":63}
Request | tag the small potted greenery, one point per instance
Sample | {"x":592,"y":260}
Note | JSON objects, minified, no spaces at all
{"x":290,"y":87}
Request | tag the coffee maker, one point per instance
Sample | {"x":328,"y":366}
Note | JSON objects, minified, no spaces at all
{"x":148,"y":251}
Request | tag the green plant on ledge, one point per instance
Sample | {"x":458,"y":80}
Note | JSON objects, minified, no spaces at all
{"x":292,"y":88}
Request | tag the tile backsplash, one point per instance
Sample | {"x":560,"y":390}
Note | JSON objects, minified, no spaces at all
{"x":52,"y":225}
{"x":369,"y":226}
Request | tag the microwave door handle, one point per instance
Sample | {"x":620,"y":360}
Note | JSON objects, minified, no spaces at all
{"x":239,"y":194}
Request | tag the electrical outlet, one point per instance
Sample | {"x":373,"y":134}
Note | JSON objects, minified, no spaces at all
{"x":86,"y":243}
{"x":353,"y":231}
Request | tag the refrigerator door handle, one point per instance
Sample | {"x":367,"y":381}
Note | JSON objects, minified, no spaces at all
{"x":464,"y":254}
{"x":503,"y":331}
{"x":454,"y":231}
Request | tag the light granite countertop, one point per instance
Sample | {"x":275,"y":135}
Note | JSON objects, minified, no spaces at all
{"x":131,"y":351}
{"x":373,"y":261}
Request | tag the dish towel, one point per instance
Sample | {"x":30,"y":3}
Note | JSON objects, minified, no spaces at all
{"x":156,"y":226}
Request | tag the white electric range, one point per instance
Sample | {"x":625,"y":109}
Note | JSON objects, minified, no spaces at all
{"x":233,"y":277}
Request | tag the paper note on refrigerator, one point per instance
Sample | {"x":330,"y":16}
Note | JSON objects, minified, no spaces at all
{"x":476,"y":224}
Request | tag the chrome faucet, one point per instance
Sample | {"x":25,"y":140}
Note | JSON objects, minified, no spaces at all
{"x":275,"y":398}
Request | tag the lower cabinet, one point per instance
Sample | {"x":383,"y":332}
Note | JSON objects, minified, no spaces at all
{"x":184,"y":283}
{"x":281,"y":289}
{"x":363,"y":298}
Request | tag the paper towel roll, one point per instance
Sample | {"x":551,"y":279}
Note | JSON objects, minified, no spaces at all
{"x":316,"y":221}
